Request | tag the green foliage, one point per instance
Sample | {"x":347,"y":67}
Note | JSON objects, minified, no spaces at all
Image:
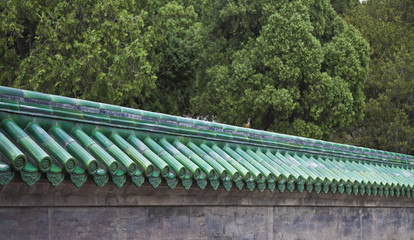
{"x":290,"y":66}
{"x":138,"y":54}
{"x":388,"y":27}
{"x":175,"y":29}
{"x":296,"y":68}
{"x":342,"y":6}
{"x":17,"y":34}
{"x":93,"y":51}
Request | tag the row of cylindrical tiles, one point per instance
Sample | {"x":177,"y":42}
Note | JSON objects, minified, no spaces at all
{"x":64,"y":107}
{"x":56,"y":152}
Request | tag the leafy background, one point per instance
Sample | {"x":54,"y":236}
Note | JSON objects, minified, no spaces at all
{"x":336,"y":70}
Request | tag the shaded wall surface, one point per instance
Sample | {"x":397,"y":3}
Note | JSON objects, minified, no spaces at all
{"x":66,"y":212}
{"x":206,"y":223}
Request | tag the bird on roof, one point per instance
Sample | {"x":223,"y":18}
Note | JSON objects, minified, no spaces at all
{"x":247,"y":125}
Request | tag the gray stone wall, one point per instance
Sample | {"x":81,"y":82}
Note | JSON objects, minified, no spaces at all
{"x":66,"y":212}
{"x":209,"y":222}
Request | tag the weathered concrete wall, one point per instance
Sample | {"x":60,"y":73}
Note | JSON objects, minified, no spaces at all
{"x":66,"y":212}
{"x":208,"y":222}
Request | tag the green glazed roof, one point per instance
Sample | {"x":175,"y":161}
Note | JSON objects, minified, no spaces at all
{"x":64,"y":138}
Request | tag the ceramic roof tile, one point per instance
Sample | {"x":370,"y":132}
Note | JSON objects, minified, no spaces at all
{"x":63,"y":138}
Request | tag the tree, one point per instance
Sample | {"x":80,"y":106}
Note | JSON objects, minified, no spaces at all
{"x":389,"y":121}
{"x":82,"y":49}
{"x":17,"y":35}
{"x":290,"y":66}
{"x":174,"y":26}
{"x":138,"y":54}
{"x":342,"y":6}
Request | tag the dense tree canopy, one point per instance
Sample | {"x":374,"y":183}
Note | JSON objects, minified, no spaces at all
{"x":389,"y":28}
{"x":343,"y":6}
{"x":75,"y":48}
{"x":289,"y":66}
{"x":121,"y":52}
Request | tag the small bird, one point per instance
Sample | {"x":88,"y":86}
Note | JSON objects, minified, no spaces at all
{"x":247,"y":125}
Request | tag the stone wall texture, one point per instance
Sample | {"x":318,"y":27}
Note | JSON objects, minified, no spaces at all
{"x":209,"y":222}
{"x":45,"y":212}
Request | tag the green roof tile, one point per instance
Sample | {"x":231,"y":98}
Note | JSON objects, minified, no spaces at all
{"x":6,"y":173}
{"x":160,"y":152}
{"x":17,"y":158}
{"x":217,"y":153}
{"x":42,"y":159}
{"x":52,"y":146}
{"x":55,"y":136}
{"x":136,"y":156}
{"x":83,"y":156}
{"x":118,"y":154}
{"x":191,"y":166}
{"x":215,"y":160}
{"x":207,"y":169}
